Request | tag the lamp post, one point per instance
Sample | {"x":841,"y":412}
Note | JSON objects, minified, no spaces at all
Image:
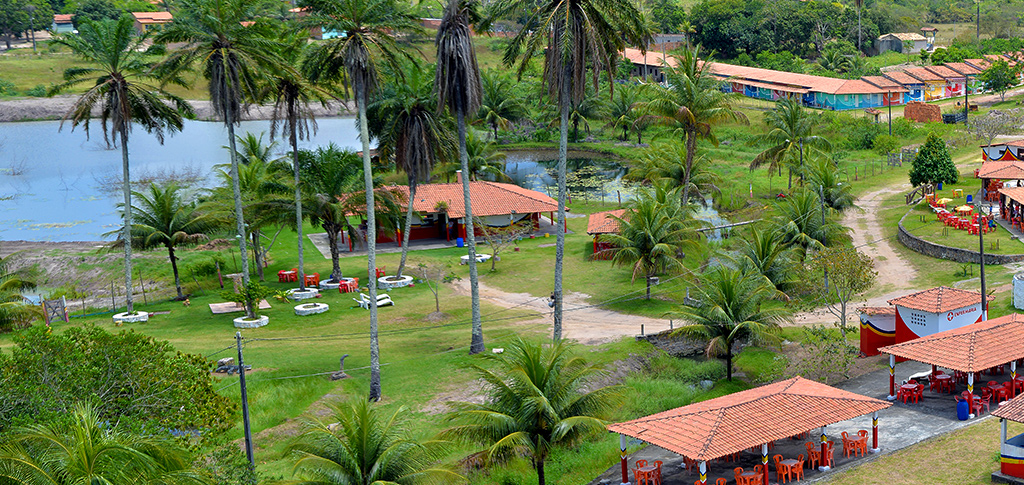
{"x":888,"y":102}
{"x":32,"y":25}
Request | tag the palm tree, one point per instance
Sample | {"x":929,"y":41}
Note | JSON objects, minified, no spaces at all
{"x":499,"y":103}
{"x":805,"y":225}
{"x":232,"y":56}
{"x":536,"y":400}
{"x":164,"y":218}
{"x":651,"y":235}
{"x":457,"y":84}
{"x":622,"y":109}
{"x":366,"y":44}
{"x":789,"y":133}
{"x":330,"y":174}
{"x":293,"y":95}
{"x":126,"y":92}
{"x":411,"y":131}
{"x":766,"y":252}
{"x":834,"y":60}
{"x":15,"y":310}
{"x":572,"y":34}
{"x":691,"y":105}
{"x":484,"y":160}
{"x":823,"y":179}
{"x":858,"y":4}
{"x":730,"y":308}
{"x":89,"y":449}
{"x":666,"y":164}
{"x":359,"y":444}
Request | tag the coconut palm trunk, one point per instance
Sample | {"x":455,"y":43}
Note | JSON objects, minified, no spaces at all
{"x":563,"y":147}
{"x":126,"y":186}
{"x":174,"y":269}
{"x":293,"y":140}
{"x":371,"y":240}
{"x":476,"y":344}
{"x":691,"y":148}
{"x":237,"y":192}
{"x":405,"y":234}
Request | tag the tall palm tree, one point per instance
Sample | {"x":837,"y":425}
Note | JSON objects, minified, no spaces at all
{"x":804,"y":225}
{"x":691,"y":105}
{"x":500,"y":104}
{"x":767,"y":253}
{"x":366,"y":44}
{"x":622,"y":109}
{"x":330,"y":173}
{"x":789,"y":135}
{"x":651,"y":237}
{"x":164,"y":218}
{"x":536,"y":400}
{"x":413,"y":133}
{"x":666,"y":165}
{"x":232,"y":56}
{"x":730,"y":307}
{"x":574,"y":35}
{"x":15,"y":310}
{"x":823,"y":179}
{"x":292,"y":115}
{"x":858,"y":4}
{"x":126,"y":92}
{"x":457,"y":83}
{"x":88,"y":449}
{"x":361,"y":445}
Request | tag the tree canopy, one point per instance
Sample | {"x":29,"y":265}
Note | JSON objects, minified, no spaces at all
{"x":933,"y":164}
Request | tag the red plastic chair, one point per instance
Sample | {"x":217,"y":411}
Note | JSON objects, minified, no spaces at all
{"x":813,"y":456}
{"x":381,"y":271}
{"x":782,"y":473}
{"x":798,"y":469}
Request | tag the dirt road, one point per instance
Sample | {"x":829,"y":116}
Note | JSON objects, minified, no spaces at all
{"x":589,"y":325}
{"x":894,"y":272}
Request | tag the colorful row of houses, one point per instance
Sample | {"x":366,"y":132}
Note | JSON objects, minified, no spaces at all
{"x":890,"y":89}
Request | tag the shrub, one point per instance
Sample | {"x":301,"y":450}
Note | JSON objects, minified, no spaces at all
{"x":541,"y":135}
{"x":885,"y":144}
{"x":37,"y":92}
{"x":206,"y":266}
{"x":902,"y":127}
{"x":860,"y":135}
{"x":6,"y":88}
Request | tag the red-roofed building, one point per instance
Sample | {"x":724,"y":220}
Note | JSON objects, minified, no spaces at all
{"x":606,"y":222}
{"x":955,"y":81}
{"x":934,"y":84}
{"x":914,"y":86}
{"x":877,"y":329}
{"x":62,"y":23}
{"x":648,"y":64}
{"x":147,"y":20}
{"x":936,"y":310}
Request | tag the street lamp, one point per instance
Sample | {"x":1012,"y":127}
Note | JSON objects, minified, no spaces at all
{"x":32,"y":24}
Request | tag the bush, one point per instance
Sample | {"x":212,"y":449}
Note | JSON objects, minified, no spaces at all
{"x":206,"y":266}
{"x":860,"y":135}
{"x":541,"y":135}
{"x":37,"y":92}
{"x":885,"y":144}
{"x":902,"y":127}
{"x":6,"y":88}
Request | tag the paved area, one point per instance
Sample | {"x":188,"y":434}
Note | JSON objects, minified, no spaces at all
{"x":899,"y":426}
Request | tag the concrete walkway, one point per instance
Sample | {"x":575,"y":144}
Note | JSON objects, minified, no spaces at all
{"x":899,"y":426}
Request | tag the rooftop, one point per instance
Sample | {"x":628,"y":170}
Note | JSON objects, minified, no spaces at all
{"x":945,"y":72}
{"x":62,"y":18}
{"x":604,"y":222}
{"x":939,"y":300}
{"x":912,"y":36}
{"x":970,"y":348}
{"x":902,"y":78}
{"x":877,"y":310}
{"x":152,"y":17}
{"x":1013,"y":193}
{"x":923,"y":74}
{"x":963,"y":68}
{"x":1012,"y":410}
{"x":636,"y":56}
{"x":488,"y":198}
{"x":1001,"y":170}
{"x":732,"y":423}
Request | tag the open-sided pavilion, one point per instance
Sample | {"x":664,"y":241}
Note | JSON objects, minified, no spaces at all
{"x":969,"y":349}
{"x":730,"y":424}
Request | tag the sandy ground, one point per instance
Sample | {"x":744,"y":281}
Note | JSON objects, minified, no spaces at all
{"x":55,"y":108}
{"x":589,"y":325}
{"x":894,"y":273}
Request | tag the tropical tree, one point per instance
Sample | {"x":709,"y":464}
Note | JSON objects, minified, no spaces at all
{"x":88,"y":449}
{"x":500,"y":104}
{"x":665,"y":165}
{"x":359,"y":444}
{"x":766,"y":252}
{"x":622,"y":109}
{"x":537,"y":399}
{"x":691,"y":105}
{"x":457,"y":84}
{"x":834,"y":60}
{"x":124,"y":91}
{"x":292,"y":116}
{"x":823,"y":179}
{"x":164,"y":218}
{"x":651,"y":236}
{"x":412,"y":132}
{"x":15,"y":310}
{"x":933,"y":163}
{"x":483,"y":160}
{"x":730,"y":306}
{"x":790,"y":128}
{"x":590,"y":107}
{"x":232,"y":55}
{"x":805,"y":224}
{"x":574,"y":36}
{"x":365,"y":44}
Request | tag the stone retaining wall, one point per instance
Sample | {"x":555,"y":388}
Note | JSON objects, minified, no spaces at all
{"x":953,"y":254}
{"x":675,"y":346}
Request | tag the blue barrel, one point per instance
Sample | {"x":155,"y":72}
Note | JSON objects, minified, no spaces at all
{"x":939,"y":187}
{"x":961,"y":410}
{"x":970,"y":198}
{"x":459,"y":242}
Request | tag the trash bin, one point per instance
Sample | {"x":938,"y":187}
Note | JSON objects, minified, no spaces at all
{"x":970,"y":199}
{"x":939,"y":186}
{"x":459,"y":242}
{"x":961,"y":410}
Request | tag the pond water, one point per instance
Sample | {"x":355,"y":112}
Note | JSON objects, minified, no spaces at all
{"x":57,"y":185}
{"x":589,"y":175}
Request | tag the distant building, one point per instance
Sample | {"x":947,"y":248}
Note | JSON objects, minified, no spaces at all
{"x":894,"y":42}
{"x":146,"y":20}
{"x":929,"y":35}
{"x":62,"y":23}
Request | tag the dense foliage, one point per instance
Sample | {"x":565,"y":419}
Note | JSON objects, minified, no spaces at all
{"x":933,"y":164}
{"x":126,"y":377}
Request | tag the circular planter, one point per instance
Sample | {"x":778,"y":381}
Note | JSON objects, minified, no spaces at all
{"x":244,"y":322}
{"x":122,"y":318}
{"x":296,"y":294}
{"x":329,"y":285}
{"x":310,"y":309}
{"x":388,"y":282}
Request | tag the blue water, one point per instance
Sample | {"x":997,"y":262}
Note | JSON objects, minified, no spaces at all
{"x":55,"y":185}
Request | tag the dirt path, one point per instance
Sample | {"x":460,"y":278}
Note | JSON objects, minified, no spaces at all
{"x":894,"y":272}
{"x":582,"y":322}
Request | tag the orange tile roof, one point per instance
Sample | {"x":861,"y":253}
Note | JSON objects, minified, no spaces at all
{"x":993,"y":58}
{"x":885,"y":83}
{"x":152,"y":17}
{"x":1012,"y":410}
{"x":858,"y":86}
{"x":970,"y":348}
{"x":939,"y":300}
{"x":963,"y":68}
{"x":902,"y":78}
{"x":605,"y":222}
{"x":62,"y":18}
{"x":944,"y":72}
{"x":821,"y":84}
{"x":488,"y":198}
{"x":732,"y":423}
{"x":913,"y":36}
{"x":923,"y":74}
{"x":877,"y":310}
{"x":978,"y":63}
{"x":636,"y":56}
{"x":1014,"y":193}
{"x":1001,"y":170}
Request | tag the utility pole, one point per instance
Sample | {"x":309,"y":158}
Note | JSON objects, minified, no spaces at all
{"x":32,"y":25}
{"x":245,"y":403}
{"x":981,"y":253}
{"x":967,"y":107}
{"x":889,"y":102}
{"x":977,"y":20}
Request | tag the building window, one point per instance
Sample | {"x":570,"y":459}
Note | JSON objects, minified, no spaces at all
{"x":917,"y":318}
